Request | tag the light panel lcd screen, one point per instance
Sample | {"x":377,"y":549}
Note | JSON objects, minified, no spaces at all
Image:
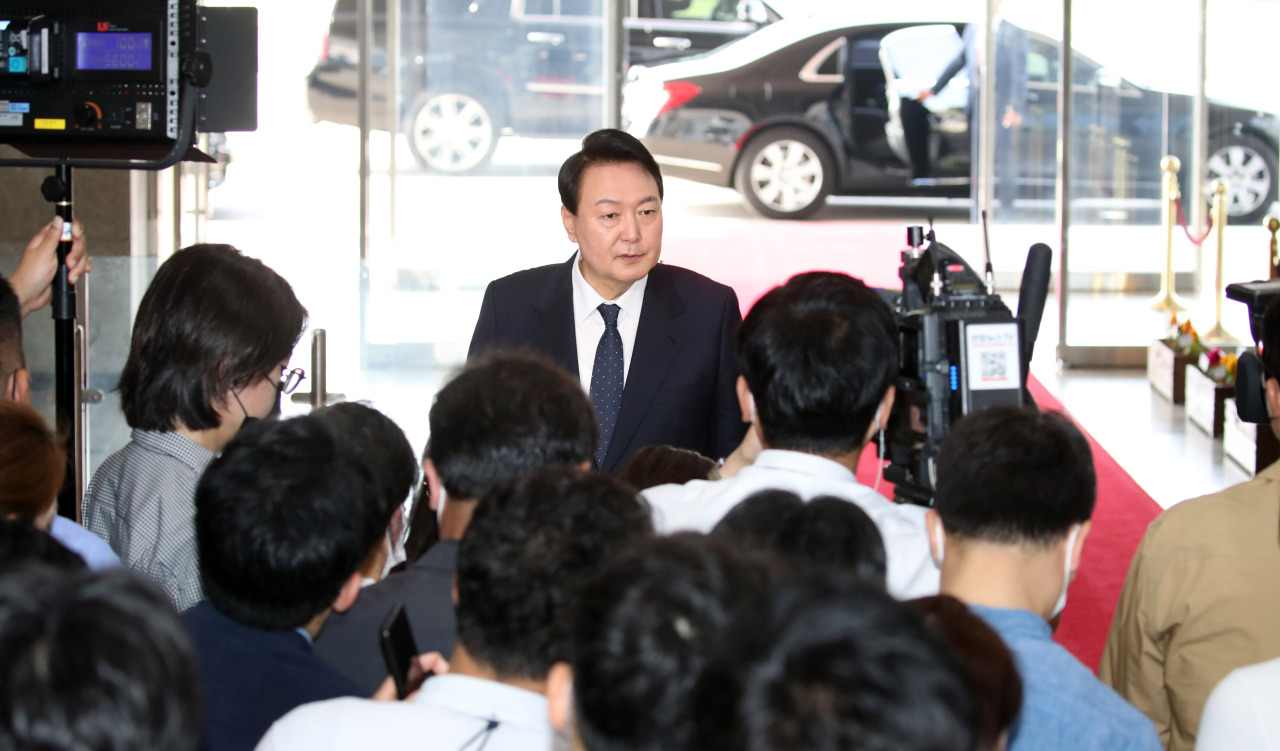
{"x":111,"y":50}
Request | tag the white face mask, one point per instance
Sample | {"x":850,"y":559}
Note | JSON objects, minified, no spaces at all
{"x":440,"y":507}
{"x":1066,"y":573}
{"x":395,"y":554}
{"x":753,"y":409}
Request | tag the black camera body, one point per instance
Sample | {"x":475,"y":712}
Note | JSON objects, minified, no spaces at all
{"x":1251,"y":378}
{"x":961,"y":350}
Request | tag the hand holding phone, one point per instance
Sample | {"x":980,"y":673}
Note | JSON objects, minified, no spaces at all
{"x":399,"y":651}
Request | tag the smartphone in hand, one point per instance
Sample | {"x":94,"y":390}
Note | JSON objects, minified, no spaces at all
{"x":399,"y":651}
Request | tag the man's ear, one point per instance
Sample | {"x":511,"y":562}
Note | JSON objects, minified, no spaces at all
{"x":567,"y":217}
{"x":1078,"y":548}
{"x":560,"y":697}
{"x":18,"y":386}
{"x":348,"y":594}
{"x":933,"y":525}
{"x":1271,"y":391}
{"x":744,"y":399}
{"x":434,"y":486}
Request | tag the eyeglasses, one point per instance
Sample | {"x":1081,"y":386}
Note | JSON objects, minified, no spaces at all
{"x":290,"y":381}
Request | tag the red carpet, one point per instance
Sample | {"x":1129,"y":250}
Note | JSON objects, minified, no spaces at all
{"x":754,"y":263}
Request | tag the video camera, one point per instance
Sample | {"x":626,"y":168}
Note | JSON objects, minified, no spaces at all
{"x":960,"y":350}
{"x":1251,"y":377}
{"x":110,"y":80}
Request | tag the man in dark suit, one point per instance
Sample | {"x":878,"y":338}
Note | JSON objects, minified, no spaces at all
{"x":284,"y":519}
{"x":652,"y":344}
{"x":504,"y":416}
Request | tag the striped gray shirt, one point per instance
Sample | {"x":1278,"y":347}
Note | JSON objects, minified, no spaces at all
{"x":142,"y":502}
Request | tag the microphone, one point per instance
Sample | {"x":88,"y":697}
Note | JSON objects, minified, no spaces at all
{"x":1031,"y":298}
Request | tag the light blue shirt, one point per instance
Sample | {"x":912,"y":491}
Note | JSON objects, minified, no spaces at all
{"x":93,"y":549}
{"x":1064,"y":705}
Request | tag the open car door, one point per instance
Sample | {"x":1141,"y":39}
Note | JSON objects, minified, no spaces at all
{"x":932,"y":137}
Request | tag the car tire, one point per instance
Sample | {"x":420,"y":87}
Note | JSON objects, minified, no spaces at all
{"x":1247,"y":164}
{"x":785,"y":173}
{"x":452,"y":132}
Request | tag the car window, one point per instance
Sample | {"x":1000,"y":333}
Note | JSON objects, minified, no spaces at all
{"x":704,"y":10}
{"x":474,"y":8}
{"x":564,"y":8}
{"x":1042,"y":64}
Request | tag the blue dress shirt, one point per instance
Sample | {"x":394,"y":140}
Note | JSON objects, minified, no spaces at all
{"x":1064,"y":705}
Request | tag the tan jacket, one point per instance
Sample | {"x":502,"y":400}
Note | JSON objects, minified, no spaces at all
{"x":1202,"y":598}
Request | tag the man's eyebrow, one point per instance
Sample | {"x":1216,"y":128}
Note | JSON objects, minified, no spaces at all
{"x":610,"y":201}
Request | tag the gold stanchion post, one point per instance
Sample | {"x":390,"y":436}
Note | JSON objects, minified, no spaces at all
{"x":1217,"y":334}
{"x":1166,"y":301}
{"x":1272,"y":223}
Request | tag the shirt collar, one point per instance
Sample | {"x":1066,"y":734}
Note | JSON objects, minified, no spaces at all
{"x":486,"y":700}
{"x":174,"y":444}
{"x":810,"y":465}
{"x":1012,"y":622}
{"x":586,"y":299}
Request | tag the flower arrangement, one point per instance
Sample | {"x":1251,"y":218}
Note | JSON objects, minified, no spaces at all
{"x":1219,"y":365}
{"x":1183,"y":337}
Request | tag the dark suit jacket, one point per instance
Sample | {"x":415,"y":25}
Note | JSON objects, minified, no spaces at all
{"x":680,"y":388}
{"x":253,"y":677}
{"x":349,"y":641}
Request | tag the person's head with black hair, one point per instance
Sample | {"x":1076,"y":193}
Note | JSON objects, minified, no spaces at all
{"x":604,"y":146}
{"x":529,"y":552}
{"x":832,"y":533}
{"x":986,"y":660}
{"x":32,"y":465}
{"x":503,"y":416}
{"x":284,"y":519}
{"x":755,"y":521}
{"x":381,"y":442}
{"x":1015,"y":493}
{"x":94,"y":661}
{"x":213,"y":333}
{"x":611,"y":207}
{"x":642,"y":632}
{"x":21,"y":543}
{"x":13,"y":362}
{"x":660,"y":465}
{"x":824,"y":662}
{"x":818,"y":357}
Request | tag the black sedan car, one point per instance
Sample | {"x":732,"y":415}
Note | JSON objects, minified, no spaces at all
{"x":806,"y":108}
{"x":474,"y":70}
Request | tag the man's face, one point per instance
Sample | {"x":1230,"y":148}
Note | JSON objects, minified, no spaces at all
{"x":618,"y":226}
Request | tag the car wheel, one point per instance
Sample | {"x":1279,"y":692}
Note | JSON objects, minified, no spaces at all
{"x":1247,"y":164}
{"x":785,"y":173}
{"x":452,"y":132}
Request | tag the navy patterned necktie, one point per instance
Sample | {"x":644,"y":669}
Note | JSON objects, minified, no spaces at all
{"x":606,"y":377}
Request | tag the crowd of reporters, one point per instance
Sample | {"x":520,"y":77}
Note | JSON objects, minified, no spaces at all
{"x":765,"y":603}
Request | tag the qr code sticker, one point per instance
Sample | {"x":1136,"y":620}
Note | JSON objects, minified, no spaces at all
{"x":993,"y":365}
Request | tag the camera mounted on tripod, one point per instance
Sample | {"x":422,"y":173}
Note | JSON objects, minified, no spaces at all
{"x":961,"y":350}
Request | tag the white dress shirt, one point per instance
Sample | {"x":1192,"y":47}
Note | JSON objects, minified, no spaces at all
{"x":698,"y":505}
{"x":1241,"y":711}
{"x":589,"y":324}
{"x":450,"y":713}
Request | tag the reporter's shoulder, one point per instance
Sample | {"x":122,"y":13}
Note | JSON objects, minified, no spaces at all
{"x":329,"y":724}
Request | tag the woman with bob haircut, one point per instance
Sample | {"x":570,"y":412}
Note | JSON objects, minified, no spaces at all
{"x":210,"y":346}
